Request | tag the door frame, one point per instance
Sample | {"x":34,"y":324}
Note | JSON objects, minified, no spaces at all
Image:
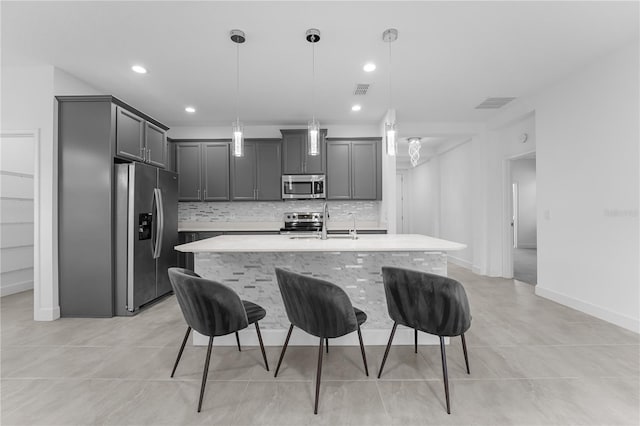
{"x":507,"y":203}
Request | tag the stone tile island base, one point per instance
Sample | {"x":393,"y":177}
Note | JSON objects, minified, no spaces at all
{"x":252,"y":276}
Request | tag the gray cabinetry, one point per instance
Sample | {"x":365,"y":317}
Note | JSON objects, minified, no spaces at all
{"x":295,"y":157}
{"x":257,"y":175}
{"x":354,"y":169}
{"x":92,"y":130}
{"x":204,"y":170}
{"x":139,"y":139}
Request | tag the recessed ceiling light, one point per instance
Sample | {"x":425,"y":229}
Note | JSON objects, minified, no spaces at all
{"x":139,"y":69}
{"x":356,"y":108}
{"x":190,"y":109}
{"x":369,"y":67}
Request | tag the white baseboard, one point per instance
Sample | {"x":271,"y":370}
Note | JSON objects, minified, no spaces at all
{"x":14,"y":288}
{"x":460,"y":262}
{"x":248,"y":336}
{"x":632,"y":324}
{"x":46,"y":314}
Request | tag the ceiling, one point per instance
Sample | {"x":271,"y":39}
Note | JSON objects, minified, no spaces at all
{"x":448,"y":58}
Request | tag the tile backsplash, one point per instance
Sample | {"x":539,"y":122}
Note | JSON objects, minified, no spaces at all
{"x":271,"y":211}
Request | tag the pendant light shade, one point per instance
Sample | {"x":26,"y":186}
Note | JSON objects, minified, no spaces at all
{"x":238,"y":139}
{"x":238,"y":37}
{"x":314,"y":137}
{"x":313,"y":36}
{"x":390,"y":136}
{"x":414,"y":150}
{"x":390,"y":127}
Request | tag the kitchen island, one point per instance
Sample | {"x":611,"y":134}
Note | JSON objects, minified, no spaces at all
{"x":247,"y":264}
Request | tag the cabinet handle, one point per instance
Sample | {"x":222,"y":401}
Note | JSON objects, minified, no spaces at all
{"x":205,"y":193}
{"x":142,"y":153}
{"x":149,"y":155}
{"x":198,"y":193}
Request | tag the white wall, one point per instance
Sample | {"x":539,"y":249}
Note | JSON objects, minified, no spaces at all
{"x":523,"y":172}
{"x":27,"y":100}
{"x":422,"y":190}
{"x":588,"y":189}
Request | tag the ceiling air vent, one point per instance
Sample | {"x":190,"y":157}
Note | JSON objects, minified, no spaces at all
{"x":361,"y":89}
{"x":494,"y":103}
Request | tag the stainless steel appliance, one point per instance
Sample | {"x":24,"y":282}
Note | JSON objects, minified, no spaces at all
{"x":303,"y":186}
{"x":302,"y":223}
{"x":146,"y":232}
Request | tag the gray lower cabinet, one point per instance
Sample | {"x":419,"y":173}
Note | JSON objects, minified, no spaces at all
{"x":257,"y":175}
{"x":295,"y":153}
{"x":204,"y":170}
{"x":354,"y":169}
{"x":139,"y":139}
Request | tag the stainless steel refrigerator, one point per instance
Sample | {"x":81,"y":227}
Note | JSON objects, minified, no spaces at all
{"x":146,"y":230}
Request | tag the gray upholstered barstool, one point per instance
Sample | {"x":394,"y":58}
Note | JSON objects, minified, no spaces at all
{"x":430,"y":303}
{"x":320,"y":308}
{"x":212,"y":309}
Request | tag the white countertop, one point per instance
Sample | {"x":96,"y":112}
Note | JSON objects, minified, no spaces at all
{"x":268,"y":226}
{"x":284,"y":243}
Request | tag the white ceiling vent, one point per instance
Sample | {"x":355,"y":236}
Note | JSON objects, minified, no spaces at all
{"x":361,"y":89}
{"x":494,"y":103}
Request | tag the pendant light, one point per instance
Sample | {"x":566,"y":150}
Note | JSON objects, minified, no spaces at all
{"x":414,"y":150}
{"x":390,"y":128}
{"x":313,"y":36}
{"x":238,"y":37}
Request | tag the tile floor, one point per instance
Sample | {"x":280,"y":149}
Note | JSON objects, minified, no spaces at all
{"x":533,"y":362}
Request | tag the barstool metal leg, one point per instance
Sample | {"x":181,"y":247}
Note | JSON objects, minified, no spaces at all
{"x":184,"y":342}
{"x":238,"y":341}
{"x":364,"y":357}
{"x":318,"y":375}
{"x":284,"y":348}
{"x":444,"y":373}
{"x":264,"y":355}
{"x":464,"y":349}
{"x":386,"y":352}
{"x":326,"y":342}
{"x":415,"y":339}
{"x":205,"y":372}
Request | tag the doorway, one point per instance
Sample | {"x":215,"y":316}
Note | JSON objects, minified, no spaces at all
{"x":523,"y":219}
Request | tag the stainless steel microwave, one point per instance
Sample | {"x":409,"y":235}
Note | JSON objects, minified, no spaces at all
{"x":303,"y":186}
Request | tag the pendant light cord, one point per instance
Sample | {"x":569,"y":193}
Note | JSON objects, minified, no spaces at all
{"x":238,"y":82}
{"x":313,"y":80}
{"x":390,"y":74}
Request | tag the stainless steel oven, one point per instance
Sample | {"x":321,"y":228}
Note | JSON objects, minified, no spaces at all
{"x":303,"y":186}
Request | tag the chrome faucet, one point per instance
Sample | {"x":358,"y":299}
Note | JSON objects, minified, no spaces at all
{"x":353,"y":232}
{"x":325,"y":219}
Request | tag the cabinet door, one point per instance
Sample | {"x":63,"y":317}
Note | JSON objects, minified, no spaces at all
{"x":129,"y":135}
{"x":216,"y":171}
{"x":315,"y":164}
{"x":364,"y":170}
{"x":188,"y":167}
{"x":243,"y":174}
{"x":293,"y":146}
{"x":339,"y":170}
{"x":155,"y":141}
{"x":269,"y":171}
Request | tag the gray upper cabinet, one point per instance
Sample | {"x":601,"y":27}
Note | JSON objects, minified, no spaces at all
{"x":129,"y":135}
{"x":354,"y":169}
{"x":203,"y":170}
{"x":188,"y":166}
{"x":215,"y":169}
{"x":257,"y":175}
{"x":295,"y":157}
{"x":156,"y":144}
{"x":139,"y":139}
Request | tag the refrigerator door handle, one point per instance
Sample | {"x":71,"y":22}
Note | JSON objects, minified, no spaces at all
{"x":159,"y":206}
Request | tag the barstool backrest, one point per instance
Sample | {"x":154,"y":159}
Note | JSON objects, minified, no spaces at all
{"x":209,"y":307}
{"x":426,"y":302}
{"x":318,"y":307}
